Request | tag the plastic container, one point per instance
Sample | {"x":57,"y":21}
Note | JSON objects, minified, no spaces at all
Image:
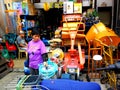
{"x":32,"y":80}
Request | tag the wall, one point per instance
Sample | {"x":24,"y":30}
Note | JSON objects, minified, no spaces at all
{"x":108,"y":2}
{"x":106,"y":8}
{"x":2,"y":18}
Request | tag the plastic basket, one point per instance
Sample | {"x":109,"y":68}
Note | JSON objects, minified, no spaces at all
{"x":32,"y":80}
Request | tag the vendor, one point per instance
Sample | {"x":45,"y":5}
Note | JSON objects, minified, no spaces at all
{"x":21,"y":40}
{"x":37,"y":52}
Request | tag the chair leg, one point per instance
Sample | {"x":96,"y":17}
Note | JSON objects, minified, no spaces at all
{"x":18,"y":55}
{"x":26,"y":54}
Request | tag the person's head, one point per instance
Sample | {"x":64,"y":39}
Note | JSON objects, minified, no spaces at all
{"x":22,"y":34}
{"x":35,"y":34}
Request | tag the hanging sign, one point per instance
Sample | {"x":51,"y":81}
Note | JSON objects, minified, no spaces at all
{"x":68,"y":7}
{"x":77,"y":7}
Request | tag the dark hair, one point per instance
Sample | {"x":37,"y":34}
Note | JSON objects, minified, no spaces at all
{"x":35,"y":31}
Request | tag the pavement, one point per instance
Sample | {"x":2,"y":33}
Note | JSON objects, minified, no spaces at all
{"x":10,"y":81}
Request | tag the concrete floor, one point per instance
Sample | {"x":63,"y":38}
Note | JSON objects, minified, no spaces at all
{"x":9,"y":81}
{"x":19,"y":64}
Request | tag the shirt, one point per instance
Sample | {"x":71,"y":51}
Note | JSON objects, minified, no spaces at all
{"x":21,"y":40}
{"x":35,"y":51}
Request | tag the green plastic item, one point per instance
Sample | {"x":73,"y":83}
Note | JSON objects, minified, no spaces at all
{"x":12,"y":56}
{"x":10,"y":37}
{"x":95,"y":13}
{"x":20,"y":83}
{"x":5,"y":54}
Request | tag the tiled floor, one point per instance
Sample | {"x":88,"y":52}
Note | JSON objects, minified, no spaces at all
{"x":10,"y":80}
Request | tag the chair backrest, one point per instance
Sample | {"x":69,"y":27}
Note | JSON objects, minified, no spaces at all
{"x":19,"y":49}
{"x":17,"y":45}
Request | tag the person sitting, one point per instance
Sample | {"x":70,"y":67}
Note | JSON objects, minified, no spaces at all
{"x":21,"y":40}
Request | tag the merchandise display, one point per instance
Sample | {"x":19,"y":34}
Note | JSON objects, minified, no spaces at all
{"x":69,"y":44}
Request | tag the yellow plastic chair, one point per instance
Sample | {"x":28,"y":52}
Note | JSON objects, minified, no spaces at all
{"x":20,"y":51}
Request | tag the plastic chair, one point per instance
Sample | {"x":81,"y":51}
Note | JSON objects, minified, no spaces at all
{"x":20,"y":51}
